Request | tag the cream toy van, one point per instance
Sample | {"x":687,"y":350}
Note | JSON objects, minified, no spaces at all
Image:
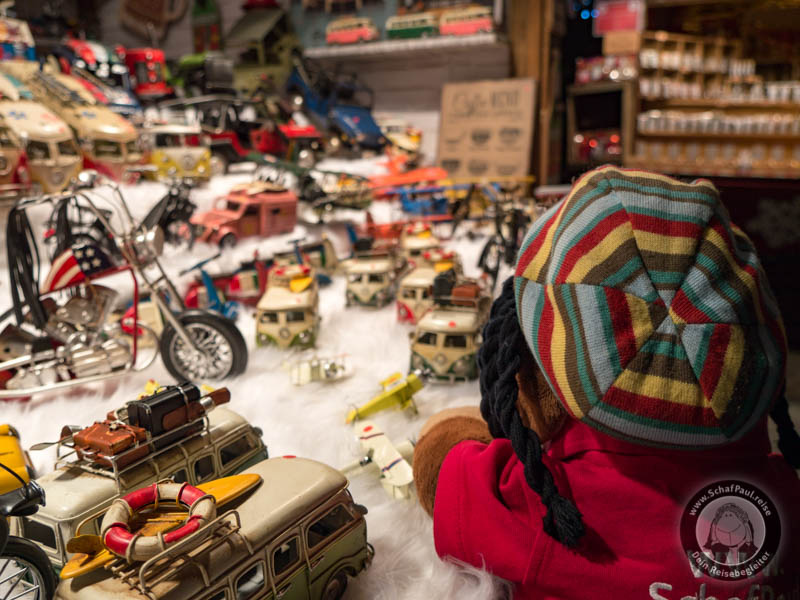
{"x":415,"y":293}
{"x":218,"y":444}
{"x":447,"y":337}
{"x":415,"y":241}
{"x":178,"y":151}
{"x":371,"y":279}
{"x":288,"y":313}
{"x":298,"y":534}
{"x":53,"y":156}
{"x":108,"y":142}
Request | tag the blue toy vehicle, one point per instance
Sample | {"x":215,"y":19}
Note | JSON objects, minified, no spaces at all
{"x":336,"y":104}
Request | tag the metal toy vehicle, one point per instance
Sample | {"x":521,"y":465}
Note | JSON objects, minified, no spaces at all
{"x":148,"y":71}
{"x":382,"y":184}
{"x":257,"y":209}
{"x":173,"y":211}
{"x":396,"y":392}
{"x":245,"y":285}
{"x":82,"y":344}
{"x":240,"y":130}
{"x":178,"y":151}
{"x":15,"y":179}
{"x":105,"y":90}
{"x":338,"y":105}
{"x":466,"y":21}
{"x":203,"y":73}
{"x":391,"y":463}
{"x":210,"y":443}
{"x":413,"y":25}
{"x":16,"y":39}
{"x":296,"y":535}
{"x":447,"y":337}
{"x":351,"y":30}
{"x":423,"y":200}
{"x":107,"y":141}
{"x":212,"y":299}
{"x":288,"y":313}
{"x":24,"y":567}
{"x":372,"y":278}
{"x":415,"y":294}
{"x":402,"y":136}
{"x":417,"y":238}
{"x":15,"y":459}
{"x":319,"y":370}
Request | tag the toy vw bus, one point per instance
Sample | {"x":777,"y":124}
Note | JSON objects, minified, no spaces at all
{"x":351,"y":30}
{"x":288,"y":313}
{"x":416,"y":240}
{"x":223,"y":444}
{"x":447,"y":337}
{"x":297,"y":535}
{"x":467,"y":21}
{"x":371,"y":279}
{"x":178,"y":151}
{"x":415,"y":294}
{"x":412,"y":25}
{"x":53,"y":156}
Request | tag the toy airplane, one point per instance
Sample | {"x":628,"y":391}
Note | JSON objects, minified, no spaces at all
{"x":326,"y":369}
{"x":91,"y":553}
{"x":394,"y":462}
{"x":396,"y":391}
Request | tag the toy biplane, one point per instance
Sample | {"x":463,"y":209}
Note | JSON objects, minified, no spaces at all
{"x":316,"y":369}
{"x":397,"y":391}
{"x":393,"y":462}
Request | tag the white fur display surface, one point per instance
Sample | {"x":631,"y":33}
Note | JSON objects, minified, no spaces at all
{"x":304,"y":421}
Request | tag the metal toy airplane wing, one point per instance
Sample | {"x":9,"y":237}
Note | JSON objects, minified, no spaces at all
{"x":393,"y":462}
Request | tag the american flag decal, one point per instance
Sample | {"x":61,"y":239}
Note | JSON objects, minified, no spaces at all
{"x":74,"y":265}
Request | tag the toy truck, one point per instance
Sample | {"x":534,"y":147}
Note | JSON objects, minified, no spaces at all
{"x":212,"y":445}
{"x":253,"y":209}
{"x":288,"y":313}
{"x":297,"y":535}
{"x":447,"y":337}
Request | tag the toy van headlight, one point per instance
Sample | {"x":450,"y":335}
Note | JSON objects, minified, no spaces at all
{"x":416,"y":361}
{"x":461,"y":366}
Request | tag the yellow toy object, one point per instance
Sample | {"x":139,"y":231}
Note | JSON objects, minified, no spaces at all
{"x":152,"y":387}
{"x":92,"y":554}
{"x":396,"y":391}
{"x":14,"y":457}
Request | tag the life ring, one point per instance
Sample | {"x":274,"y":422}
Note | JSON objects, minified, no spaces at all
{"x":115,"y":529}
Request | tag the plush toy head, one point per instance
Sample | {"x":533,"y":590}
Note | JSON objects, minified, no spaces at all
{"x":649,"y":315}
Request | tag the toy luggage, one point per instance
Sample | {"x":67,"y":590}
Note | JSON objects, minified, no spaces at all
{"x":110,"y":439}
{"x":443,"y":284}
{"x":465,"y":294}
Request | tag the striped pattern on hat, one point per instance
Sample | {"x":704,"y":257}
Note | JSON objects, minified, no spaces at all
{"x":648,"y":311}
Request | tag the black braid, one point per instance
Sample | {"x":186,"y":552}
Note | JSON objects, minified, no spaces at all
{"x":788,"y":438}
{"x":499,"y":362}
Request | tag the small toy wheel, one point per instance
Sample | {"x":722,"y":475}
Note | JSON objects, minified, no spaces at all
{"x":336,"y":587}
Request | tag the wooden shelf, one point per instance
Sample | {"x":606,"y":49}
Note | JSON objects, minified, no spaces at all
{"x":716,"y":170}
{"x":713,"y":103}
{"x":408,"y":48}
{"x":766,"y":137}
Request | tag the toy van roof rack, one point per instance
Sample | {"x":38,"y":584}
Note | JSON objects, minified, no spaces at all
{"x":50,"y":85}
{"x":181,"y":555}
{"x":115,"y":472}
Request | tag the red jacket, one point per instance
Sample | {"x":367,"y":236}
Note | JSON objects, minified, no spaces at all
{"x":632,"y":499}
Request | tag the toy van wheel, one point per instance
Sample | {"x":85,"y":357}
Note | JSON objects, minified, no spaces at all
{"x":228,"y":241}
{"x":222,"y":347}
{"x":336,"y":587}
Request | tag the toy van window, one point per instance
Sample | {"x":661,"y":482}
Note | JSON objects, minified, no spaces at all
{"x":376,"y":277}
{"x":132,"y":147}
{"x":409,"y":293}
{"x":38,"y":150}
{"x":295,"y":316}
{"x":269,"y":317}
{"x":237,"y":449}
{"x":354,"y":277}
{"x":426,"y":293}
{"x":455,"y":341}
{"x":251,"y":211}
{"x":286,"y":556}
{"x":204,"y":468}
{"x":67,"y":148}
{"x":328,"y":525}
{"x":181,"y":476}
{"x":233,"y":206}
{"x":5,"y":138}
{"x":107,"y":148}
{"x":167,"y":140}
{"x":220,"y":595}
{"x":39,"y":533}
{"x":251,"y":582}
{"x":142,"y":76}
{"x":428,"y":338}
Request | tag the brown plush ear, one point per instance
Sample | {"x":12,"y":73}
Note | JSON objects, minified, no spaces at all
{"x":443,"y":431}
{"x":536,"y":402}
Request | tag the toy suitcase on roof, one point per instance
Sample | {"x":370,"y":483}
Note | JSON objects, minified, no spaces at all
{"x":108,"y":442}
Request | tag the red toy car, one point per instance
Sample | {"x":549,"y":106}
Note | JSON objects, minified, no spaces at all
{"x":251,"y":209}
{"x":148,"y":70}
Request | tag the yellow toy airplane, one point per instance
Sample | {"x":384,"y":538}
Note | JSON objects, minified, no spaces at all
{"x":14,"y":457}
{"x":91,"y":554}
{"x":396,"y":391}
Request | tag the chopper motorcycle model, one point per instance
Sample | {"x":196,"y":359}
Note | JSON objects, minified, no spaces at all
{"x":64,"y":334}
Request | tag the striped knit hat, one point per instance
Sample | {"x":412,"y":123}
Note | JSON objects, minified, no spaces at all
{"x":648,"y":311}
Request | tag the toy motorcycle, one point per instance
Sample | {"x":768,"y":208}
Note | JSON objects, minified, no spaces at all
{"x":25,"y":570}
{"x":64,"y":334}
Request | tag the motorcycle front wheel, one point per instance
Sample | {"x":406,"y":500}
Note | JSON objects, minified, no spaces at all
{"x":25,"y":571}
{"x":222,"y":351}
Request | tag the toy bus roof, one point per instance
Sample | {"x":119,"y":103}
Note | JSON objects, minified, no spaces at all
{"x":33,"y":119}
{"x":178,"y":128}
{"x":251,"y":192}
{"x":281,"y":298}
{"x":419,"y":277}
{"x":450,"y":319}
{"x":414,"y":242}
{"x":370,"y":264}
{"x":73,"y":490}
{"x":291,"y":488}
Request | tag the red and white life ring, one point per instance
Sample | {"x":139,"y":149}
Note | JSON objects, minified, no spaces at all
{"x":115,"y":529}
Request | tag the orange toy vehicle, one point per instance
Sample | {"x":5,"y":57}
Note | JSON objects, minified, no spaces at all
{"x":253,"y":209}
